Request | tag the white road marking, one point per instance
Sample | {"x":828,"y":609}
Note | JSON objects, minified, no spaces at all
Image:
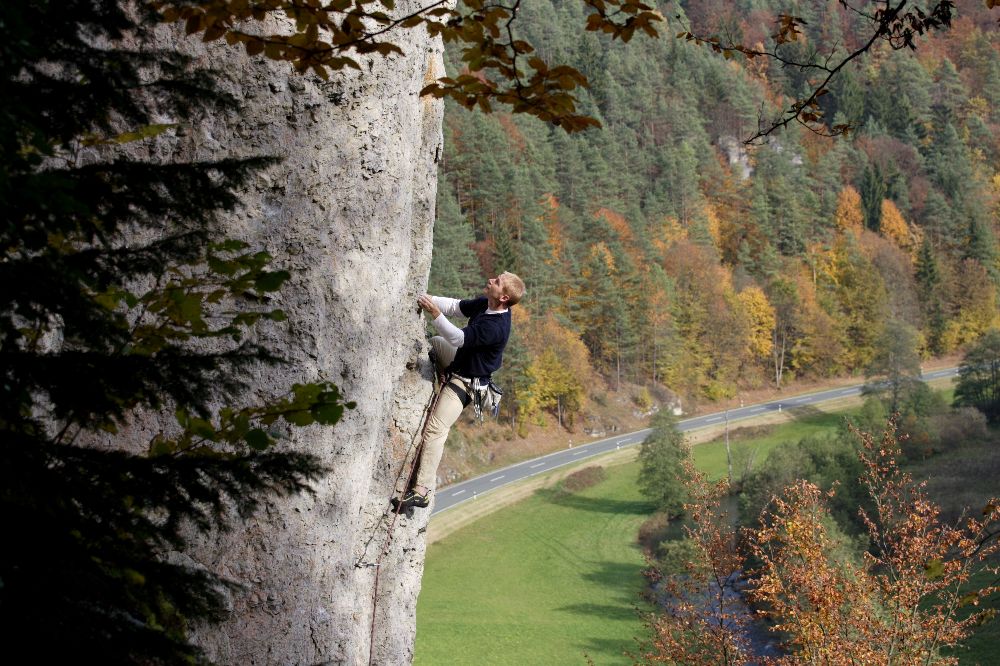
{"x":626,"y":441}
{"x":845,"y":391}
{"x":757,"y":409}
{"x":538,"y":465}
{"x":457,"y":492}
{"x":579,"y":452}
{"x":799,"y":400}
{"x":714,"y":418}
{"x":496,"y":478}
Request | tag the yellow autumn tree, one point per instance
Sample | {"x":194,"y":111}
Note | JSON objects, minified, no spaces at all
{"x":668,"y":233}
{"x":714,"y":224}
{"x":849,"y":216}
{"x":558,"y":374}
{"x":973,"y":296}
{"x":759,"y":315}
{"x":895,"y":228}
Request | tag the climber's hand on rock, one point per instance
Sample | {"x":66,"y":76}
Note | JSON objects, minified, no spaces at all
{"x":427,"y":305}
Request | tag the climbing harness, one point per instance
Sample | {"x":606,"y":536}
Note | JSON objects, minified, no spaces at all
{"x":483,"y":394}
{"x":428,"y":410}
{"x":486,"y":397}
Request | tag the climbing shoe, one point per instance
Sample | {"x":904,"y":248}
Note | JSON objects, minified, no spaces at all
{"x":411,"y":498}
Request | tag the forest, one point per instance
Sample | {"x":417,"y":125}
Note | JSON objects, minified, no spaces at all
{"x":661,"y":250}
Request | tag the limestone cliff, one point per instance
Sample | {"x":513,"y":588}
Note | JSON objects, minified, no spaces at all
{"x":349,"y":210}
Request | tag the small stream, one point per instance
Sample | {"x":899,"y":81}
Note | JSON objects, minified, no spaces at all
{"x":760,"y":641}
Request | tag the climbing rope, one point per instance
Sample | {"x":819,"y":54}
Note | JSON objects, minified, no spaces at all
{"x":428,"y":410}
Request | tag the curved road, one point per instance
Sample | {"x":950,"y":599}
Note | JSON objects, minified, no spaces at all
{"x":453,"y":495}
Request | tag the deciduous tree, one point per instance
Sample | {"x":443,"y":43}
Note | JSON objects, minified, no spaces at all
{"x":895,"y":366}
{"x":903,"y":601}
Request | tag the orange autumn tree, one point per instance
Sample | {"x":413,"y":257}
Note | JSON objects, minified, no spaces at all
{"x":902,"y":603}
{"x":849,"y":216}
{"x":895,"y":228}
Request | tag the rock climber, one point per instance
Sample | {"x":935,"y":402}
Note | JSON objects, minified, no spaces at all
{"x":467,"y":357}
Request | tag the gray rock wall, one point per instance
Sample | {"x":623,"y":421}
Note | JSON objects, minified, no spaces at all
{"x":350,"y":212}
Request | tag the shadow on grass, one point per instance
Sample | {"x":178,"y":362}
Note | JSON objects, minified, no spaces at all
{"x":596,"y":504}
{"x":619,"y":576}
{"x":610,"y":651}
{"x":607,"y":612}
{"x":623,"y":580}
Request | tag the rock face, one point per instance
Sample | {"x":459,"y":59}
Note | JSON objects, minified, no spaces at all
{"x":349,"y":211}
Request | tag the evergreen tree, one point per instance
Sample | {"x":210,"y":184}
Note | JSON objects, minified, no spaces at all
{"x":873,"y":191}
{"x":121,"y":297}
{"x":505,"y":257}
{"x":661,"y":468}
{"x":981,"y":246}
{"x":928,"y":276}
{"x":454,"y":267}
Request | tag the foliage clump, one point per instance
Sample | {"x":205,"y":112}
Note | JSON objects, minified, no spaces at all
{"x":583,"y":479}
{"x":906,"y":598}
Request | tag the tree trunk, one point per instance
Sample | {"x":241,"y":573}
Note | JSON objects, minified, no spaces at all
{"x":349,"y":211}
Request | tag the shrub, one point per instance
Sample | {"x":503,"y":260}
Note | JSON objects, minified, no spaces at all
{"x":583,"y":479}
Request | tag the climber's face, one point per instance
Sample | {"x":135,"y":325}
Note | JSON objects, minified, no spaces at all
{"x":495,"y":291}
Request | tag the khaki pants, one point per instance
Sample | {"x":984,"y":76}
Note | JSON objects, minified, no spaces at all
{"x":447,"y":411}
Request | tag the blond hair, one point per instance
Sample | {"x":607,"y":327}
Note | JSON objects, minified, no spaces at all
{"x":513,"y":288}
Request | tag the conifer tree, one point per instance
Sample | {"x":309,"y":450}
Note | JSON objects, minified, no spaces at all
{"x":928,"y":276}
{"x":873,"y":190}
{"x":661,"y":465}
{"x":454,"y":267}
{"x":120,"y":297}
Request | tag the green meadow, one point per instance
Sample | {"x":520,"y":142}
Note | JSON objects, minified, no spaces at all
{"x":551,"y":580}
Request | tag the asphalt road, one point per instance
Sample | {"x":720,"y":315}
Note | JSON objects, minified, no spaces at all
{"x":455,"y":494}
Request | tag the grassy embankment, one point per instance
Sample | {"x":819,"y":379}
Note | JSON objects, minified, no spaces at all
{"x":558,"y":577}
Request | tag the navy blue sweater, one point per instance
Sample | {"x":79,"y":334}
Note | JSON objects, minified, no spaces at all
{"x":485,"y":338}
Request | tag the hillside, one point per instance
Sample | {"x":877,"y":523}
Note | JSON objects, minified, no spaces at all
{"x":664,"y":256}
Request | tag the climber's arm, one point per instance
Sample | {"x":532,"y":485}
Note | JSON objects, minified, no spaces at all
{"x":438,"y":307}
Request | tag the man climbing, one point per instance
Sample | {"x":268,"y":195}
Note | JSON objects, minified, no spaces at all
{"x":468,"y":356}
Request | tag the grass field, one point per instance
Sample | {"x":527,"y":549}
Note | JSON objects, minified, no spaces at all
{"x":549,"y":582}
{"x":755,"y":444}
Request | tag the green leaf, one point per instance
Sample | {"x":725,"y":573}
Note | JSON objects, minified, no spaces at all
{"x":271,"y":281}
{"x":300,"y":418}
{"x":145,"y":132}
{"x":202,"y":428}
{"x":257,"y":439}
{"x":160,"y":447}
{"x":328,"y":413}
